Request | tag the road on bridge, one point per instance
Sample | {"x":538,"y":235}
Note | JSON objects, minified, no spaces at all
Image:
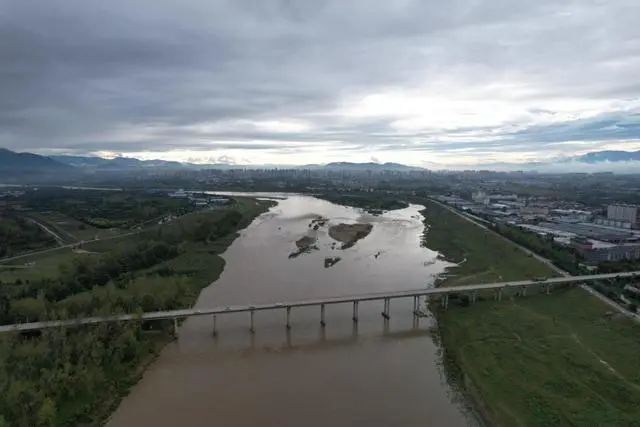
{"x":548,"y":262}
{"x":386,"y":296}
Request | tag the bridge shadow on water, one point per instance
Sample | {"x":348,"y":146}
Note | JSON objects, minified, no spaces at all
{"x":307,"y":337}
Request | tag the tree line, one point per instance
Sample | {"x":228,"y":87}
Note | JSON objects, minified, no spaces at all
{"x":75,"y":376}
{"x":562,"y":257}
{"x":106,"y":209}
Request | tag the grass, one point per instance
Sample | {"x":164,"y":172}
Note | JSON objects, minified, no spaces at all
{"x":73,"y":230}
{"x":556,"y":360}
{"x":372,"y":203}
{"x":483,"y":256}
{"x":44,"y":265}
{"x":200,"y":262}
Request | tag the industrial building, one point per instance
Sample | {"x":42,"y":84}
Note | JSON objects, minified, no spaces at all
{"x":594,"y":254}
{"x":622,"y":216}
{"x":592,"y":231}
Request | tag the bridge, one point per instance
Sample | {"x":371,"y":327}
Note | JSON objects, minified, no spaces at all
{"x":355,"y":300}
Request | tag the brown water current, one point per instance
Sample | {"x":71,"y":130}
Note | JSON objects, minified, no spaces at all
{"x":373,"y":373}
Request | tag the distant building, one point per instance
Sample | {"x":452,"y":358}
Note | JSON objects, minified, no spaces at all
{"x":480,"y":197}
{"x":621,"y":215}
{"x":180,"y":194}
{"x":581,"y":244}
{"x":218,"y":200}
{"x":534,"y":211}
{"x":571,"y":215}
{"x":200,"y":202}
{"x":596,"y":255}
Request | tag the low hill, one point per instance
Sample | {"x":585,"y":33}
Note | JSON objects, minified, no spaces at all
{"x":370,"y":166}
{"x":91,"y":163}
{"x":15,"y":166}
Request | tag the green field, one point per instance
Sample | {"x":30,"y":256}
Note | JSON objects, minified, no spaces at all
{"x":556,"y":360}
{"x":19,"y":235}
{"x":37,"y":266}
{"x":103,"y":209}
{"x":483,"y":257}
{"x":375,"y":204}
{"x":73,"y":230}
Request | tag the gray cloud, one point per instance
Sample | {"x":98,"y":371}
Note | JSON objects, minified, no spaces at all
{"x":284,"y":77}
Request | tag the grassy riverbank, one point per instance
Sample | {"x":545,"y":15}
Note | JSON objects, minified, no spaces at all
{"x":77,"y":376}
{"x":539,"y":360}
{"x":375,"y":204}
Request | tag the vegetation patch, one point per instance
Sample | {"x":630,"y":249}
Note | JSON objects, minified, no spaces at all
{"x":349,"y":234}
{"x":539,"y":360}
{"x":19,"y":235}
{"x":374,"y":204}
{"x":106,"y":209}
{"x":77,"y":376}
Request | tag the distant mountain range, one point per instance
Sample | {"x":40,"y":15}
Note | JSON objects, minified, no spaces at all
{"x":27,"y":165}
{"x":16,"y":165}
{"x":608,"y":156}
{"x":119,"y":163}
{"x":370,"y":166}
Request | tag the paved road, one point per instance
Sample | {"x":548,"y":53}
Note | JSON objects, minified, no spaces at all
{"x":174,"y":314}
{"x":47,"y":230}
{"x":474,"y":220}
{"x":70,"y":245}
{"x":546,"y":261}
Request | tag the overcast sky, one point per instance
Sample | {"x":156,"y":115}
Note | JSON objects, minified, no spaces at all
{"x":311,"y":81}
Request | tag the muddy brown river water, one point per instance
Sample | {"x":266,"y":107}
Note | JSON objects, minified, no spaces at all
{"x":372,"y":374}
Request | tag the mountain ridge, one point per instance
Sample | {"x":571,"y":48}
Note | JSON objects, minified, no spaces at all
{"x":19,"y":164}
{"x":22,"y":164}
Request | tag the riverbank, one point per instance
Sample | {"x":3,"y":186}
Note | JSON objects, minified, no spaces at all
{"x":166,"y":268}
{"x":539,"y":360}
{"x":375,"y":205}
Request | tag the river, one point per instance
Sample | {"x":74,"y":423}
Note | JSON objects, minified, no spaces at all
{"x":375,"y":373}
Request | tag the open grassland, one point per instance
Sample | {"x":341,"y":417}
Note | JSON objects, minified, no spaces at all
{"x":482,"y":256}
{"x":541,"y":360}
{"x":37,"y":266}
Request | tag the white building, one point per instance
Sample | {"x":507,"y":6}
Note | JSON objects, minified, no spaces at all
{"x":180,"y":194}
{"x":480,"y":197}
{"x":623,"y":215}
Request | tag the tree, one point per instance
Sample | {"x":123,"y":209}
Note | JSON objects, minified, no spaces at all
{"x":46,"y":415}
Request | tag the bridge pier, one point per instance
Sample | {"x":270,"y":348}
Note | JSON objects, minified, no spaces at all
{"x":445,"y":301}
{"x":288,"y":318}
{"x":355,"y":311}
{"x":385,"y":311}
{"x":251,"y":328}
{"x":215,"y":329}
{"x":499,"y":294}
{"x":175,"y":327}
{"x":548,"y":289}
{"x":322,"y":322}
{"x":524,"y":291}
{"x":416,"y":303}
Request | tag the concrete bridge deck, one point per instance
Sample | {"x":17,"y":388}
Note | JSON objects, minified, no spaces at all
{"x":386,"y":297}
